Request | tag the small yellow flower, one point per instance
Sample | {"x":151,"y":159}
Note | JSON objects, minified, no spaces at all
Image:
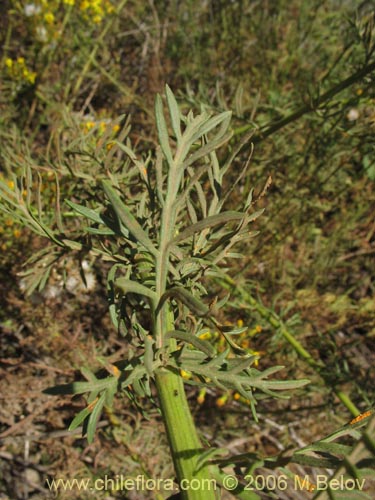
{"x":8,"y":62}
{"x":9,"y":222}
{"x":184,"y":374}
{"x":240,"y":323}
{"x":255,"y":330}
{"x":116,"y":128}
{"x":205,"y":335}
{"x":222,"y":400}
{"x":201,"y":396}
{"x":109,"y":146}
{"x":21,"y":61}
{"x":89,"y":125}
{"x":17,"y":233}
{"x":49,"y":17}
{"x":32,"y":77}
{"x":359,"y":91}
{"x":10,"y":184}
{"x":85,"y":5}
{"x":97,"y":19}
{"x":69,"y":2}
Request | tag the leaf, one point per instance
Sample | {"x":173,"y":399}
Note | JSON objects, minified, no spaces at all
{"x":180,"y":293}
{"x":174,"y":113}
{"x":127,"y":218}
{"x":208,"y":125}
{"x":211,"y":221}
{"x":93,"y":419}
{"x":129,"y":286}
{"x":88,"y":374}
{"x":162,"y":130}
{"x":86,"y":212}
{"x":200,"y":344}
{"x":230,"y":330}
{"x":207,"y":149}
{"x":328,"y":448}
{"x":208,"y":455}
{"x":78,"y":419}
{"x":81,"y":387}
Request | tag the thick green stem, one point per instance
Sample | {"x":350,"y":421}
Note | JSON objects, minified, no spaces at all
{"x":183,"y":438}
{"x":182,"y":434}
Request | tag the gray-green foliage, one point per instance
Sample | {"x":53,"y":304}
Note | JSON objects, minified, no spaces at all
{"x":165,"y":226}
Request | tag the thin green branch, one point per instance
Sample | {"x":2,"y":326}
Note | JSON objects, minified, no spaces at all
{"x":313,"y":105}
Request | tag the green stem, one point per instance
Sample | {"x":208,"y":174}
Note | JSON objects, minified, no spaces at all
{"x":313,"y":105}
{"x":345,"y":400}
{"x":183,"y":439}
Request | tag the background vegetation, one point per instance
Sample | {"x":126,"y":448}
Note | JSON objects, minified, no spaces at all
{"x":70,"y":70}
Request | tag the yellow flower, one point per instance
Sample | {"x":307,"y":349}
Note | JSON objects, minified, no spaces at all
{"x":359,"y":91}
{"x":69,"y":2}
{"x":21,"y":61}
{"x":201,"y":396}
{"x":9,"y":222}
{"x":8,"y":62}
{"x":10,"y":184}
{"x":114,"y":370}
{"x":184,"y":374}
{"x":116,"y":128}
{"x":17,"y":233}
{"x":49,"y":17}
{"x":28,"y":75}
{"x":255,"y":330}
{"x":205,"y":335}
{"x":31,"y":77}
{"x":222,"y":400}
{"x":85,"y":5}
{"x":89,"y":125}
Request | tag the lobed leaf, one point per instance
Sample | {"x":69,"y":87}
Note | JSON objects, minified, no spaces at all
{"x":128,"y":219}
